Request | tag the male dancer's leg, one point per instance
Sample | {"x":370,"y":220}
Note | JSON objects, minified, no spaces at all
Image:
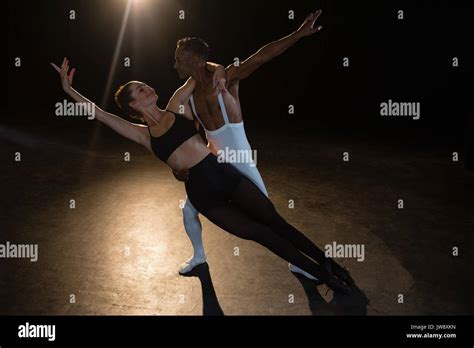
{"x":193,"y":228}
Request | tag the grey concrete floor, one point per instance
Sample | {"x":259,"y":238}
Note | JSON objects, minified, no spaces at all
{"x":119,"y":251}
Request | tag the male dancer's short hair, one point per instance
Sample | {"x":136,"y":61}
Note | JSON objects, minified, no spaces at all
{"x":196,"y":46}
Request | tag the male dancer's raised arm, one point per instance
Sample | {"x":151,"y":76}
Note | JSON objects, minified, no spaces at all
{"x":268,"y":52}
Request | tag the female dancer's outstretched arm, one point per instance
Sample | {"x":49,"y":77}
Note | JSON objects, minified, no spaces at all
{"x":137,"y":133}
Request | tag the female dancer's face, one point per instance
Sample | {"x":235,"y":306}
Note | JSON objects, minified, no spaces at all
{"x":143,"y":96}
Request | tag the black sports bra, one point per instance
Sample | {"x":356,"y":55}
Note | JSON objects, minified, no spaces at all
{"x":181,"y":130}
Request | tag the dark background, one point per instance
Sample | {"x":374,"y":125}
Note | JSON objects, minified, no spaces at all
{"x":337,"y":109}
{"x":404,"y":60}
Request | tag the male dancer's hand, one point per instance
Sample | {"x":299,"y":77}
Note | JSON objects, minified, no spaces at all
{"x":308,"y":27}
{"x":272,"y":50}
{"x":181,"y":175}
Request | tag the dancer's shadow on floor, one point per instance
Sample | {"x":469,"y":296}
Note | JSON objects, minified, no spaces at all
{"x":210,"y":303}
{"x":353,"y":304}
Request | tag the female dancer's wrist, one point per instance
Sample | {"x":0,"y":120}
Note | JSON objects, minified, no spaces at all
{"x":68,"y":91}
{"x":71,"y":92}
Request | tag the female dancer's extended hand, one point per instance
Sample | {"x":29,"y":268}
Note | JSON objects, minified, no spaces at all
{"x":66,"y":77}
{"x":219,"y":81}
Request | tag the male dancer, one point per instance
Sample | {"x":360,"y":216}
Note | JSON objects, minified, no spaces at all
{"x":222,"y":118}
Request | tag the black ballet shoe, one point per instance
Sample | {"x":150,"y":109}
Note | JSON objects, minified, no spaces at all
{"x":337,"y":285}
{"x":361,"y":294}
{"x":339,"y":271}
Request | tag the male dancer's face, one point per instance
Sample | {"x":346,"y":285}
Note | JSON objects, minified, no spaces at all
{"x":185,"y":63}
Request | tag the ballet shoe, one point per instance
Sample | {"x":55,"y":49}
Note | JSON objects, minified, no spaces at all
{"x":339,"y":271}
{"x":296,"y":269}
{"x":337,"y":285}
{"x":192,"y":263}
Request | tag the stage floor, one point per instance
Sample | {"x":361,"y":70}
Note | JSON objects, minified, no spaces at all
{"x":119,"y":251}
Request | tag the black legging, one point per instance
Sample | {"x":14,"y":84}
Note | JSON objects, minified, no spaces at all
{"x":235,"y":204}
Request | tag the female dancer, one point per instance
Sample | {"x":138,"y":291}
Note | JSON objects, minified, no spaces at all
{"x":217,"y":190}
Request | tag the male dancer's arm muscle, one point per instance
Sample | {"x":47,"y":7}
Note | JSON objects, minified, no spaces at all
{"x":272,"y":50}
{"x":132,"y":131}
